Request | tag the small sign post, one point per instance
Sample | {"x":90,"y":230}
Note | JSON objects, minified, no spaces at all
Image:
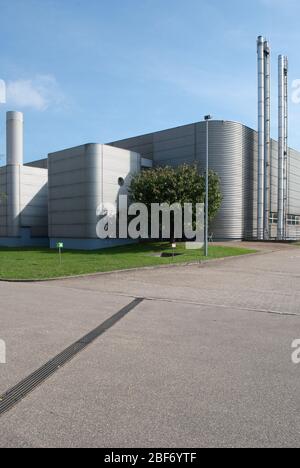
{"x":173,"y":248}
{"x":60,"y":246}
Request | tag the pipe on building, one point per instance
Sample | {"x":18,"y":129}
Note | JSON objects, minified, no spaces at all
{"x":286,"y":149}
{"x":261,"y":136}
{"x":281,"y":146}
{"x":267,"y":136}
{"x":14,"y":161}
{"x":14,"y":138}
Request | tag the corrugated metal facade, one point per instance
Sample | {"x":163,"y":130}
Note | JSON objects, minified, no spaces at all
{"x":80,"y":180}
{"x":33,"y":200}
{"x":233,"y":155}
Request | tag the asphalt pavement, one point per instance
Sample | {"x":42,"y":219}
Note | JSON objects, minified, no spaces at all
{"x":203,"y":361}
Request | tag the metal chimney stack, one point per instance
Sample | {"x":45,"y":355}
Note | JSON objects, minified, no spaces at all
{"x":286,"y":148}
{"x":267,"y":135}
{"x":14,"y":161}
{"x":261,"y":137}
{"x":282,"y":144}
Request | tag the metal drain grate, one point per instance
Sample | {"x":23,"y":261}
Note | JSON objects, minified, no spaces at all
{"x":22,"y":389}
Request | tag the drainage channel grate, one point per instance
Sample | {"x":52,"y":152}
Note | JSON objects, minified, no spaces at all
{"x":21,"y":390}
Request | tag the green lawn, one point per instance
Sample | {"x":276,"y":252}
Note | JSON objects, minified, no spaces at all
{"x":41,"y":263}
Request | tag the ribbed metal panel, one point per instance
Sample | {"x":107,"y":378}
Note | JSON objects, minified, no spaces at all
{"x":226,"y":141}
{"x":294,"y":183}
{"x":250,"y":186}
{"x":232,"y":151}
{"x":80,"y":180}
{"x":141,"y":144}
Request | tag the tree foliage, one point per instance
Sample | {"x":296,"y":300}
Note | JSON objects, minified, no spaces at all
{"x":181,"y":185}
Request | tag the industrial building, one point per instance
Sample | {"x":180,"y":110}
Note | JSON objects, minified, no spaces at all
{"x":56,"y":199}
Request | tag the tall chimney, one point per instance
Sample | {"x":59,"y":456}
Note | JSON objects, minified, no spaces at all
{"x":261,"y":137}
{"x":286,"y":149}
{"x":267,"y":148}
{"x":281,"y":144}
{"x":14,"y":161}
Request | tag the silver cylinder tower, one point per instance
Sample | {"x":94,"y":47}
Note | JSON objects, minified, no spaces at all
{"x":14,"y":160}
{"x":267,"y":136}
{"x":282,"y":145}
{"x":286,"y":151}
{"x":261,"y":136}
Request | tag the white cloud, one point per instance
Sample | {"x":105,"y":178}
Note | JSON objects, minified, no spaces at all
{"x":39,"y":93}
{"x":2,"y":92}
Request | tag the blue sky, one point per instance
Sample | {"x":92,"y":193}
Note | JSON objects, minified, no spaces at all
{"x":100,"y":70}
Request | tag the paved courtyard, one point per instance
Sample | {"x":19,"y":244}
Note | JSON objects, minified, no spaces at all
{"x":203,"y":360}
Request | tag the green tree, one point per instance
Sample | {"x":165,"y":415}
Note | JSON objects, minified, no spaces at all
{"x":183,"y":184}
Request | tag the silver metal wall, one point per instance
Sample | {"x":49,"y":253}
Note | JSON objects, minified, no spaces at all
{"x":41,"y":164}
{"x":32,"y":201}
{"x":233,"y":155}
{"x":74,"y":187}
{"x":80,"y":180}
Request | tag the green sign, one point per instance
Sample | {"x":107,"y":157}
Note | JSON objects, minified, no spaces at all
{"x":60,"y":245}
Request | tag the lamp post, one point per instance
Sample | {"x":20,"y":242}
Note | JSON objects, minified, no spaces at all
{"x":207,"y":118}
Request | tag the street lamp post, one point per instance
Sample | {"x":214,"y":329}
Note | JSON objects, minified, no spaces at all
{"x":207,"y":118}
